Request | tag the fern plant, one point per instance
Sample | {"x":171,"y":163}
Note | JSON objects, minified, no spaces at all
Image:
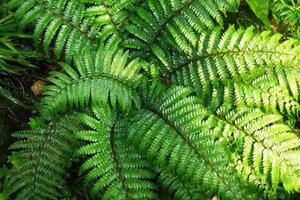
{"x":160,"y":96}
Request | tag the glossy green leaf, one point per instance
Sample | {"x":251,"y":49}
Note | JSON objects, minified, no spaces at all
{"x":261,"y":10}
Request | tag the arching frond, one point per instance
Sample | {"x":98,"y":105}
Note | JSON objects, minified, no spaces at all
{"x":43,"y":155}
{"x":239,"y":67}
{"x":115,"y":167}
{"x":270,"y":149}
{"x":61,"y":22}
{"x":71,"y":25}
{"x":178,"y":22}
{"x":171,"y":134}
{"x":107,"y":77}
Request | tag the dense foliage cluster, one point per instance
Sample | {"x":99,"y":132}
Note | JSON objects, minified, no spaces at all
{"x":158,"y":99}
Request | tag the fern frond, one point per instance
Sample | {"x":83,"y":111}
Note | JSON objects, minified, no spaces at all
{"x":178,"y":22}
{"x":62,"y":22}
{"x":238,"y":64}
{"x":172,"y":134}
{"x":106,"y":77}
{"x":271,"y":149}
{"x":71,"y":25}
{"x":114,"y":165}
{"x":43,"y":155}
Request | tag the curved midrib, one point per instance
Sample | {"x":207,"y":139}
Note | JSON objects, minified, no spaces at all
{"x":260,"y":89}
{"x":222,"y":53}
{"x":165,"y":23}
{"x":103,"y":76}
{"x":116,"y":161}
{"x":230,"y":79}
{"x":190,"y":144}
{"x":65,"y":20}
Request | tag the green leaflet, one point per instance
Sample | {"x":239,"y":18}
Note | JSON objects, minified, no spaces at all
{"x":261,"y":10}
